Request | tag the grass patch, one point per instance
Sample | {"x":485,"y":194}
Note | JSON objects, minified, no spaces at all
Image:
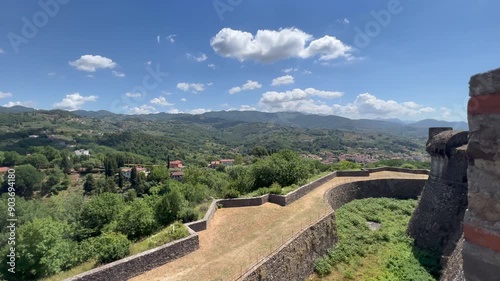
{"x":172,"y":232}
{"x":384,"y":254}
{"x":86,"y":266}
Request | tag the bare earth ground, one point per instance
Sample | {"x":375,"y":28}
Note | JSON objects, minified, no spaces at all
{"x":237,"y":237}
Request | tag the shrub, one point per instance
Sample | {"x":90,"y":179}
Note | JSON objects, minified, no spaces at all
{"x":169,"y":207}
{"x":188,"y":215}
{"x":322,"y":267}
{"x":136,"y":220}
{"x":111,"y":246}
{"x":230,"y":193}
{"x":408,"y":166}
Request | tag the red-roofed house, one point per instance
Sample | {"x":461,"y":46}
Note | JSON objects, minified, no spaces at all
{"x":177,"y":164}
{"x":4,"y":170}
{"x":177,"y":175}
{"x":126,"y":172}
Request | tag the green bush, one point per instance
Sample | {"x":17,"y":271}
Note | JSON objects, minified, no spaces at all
{"x":229,"y":193}
{"x":136,"y":220}
{"x":408,"y":166}
{"x":111,"y":246}
{"x":188,"y":215}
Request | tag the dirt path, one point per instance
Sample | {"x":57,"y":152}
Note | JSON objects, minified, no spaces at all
{"x":237,"y":237}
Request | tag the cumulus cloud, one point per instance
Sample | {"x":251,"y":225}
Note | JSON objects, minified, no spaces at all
{"x":245,"y":107}
{"x":175,"y":111}
{"x":183,"y":100}
{"x":91,"y":63}
{"x":143,"y":109}
{"x":171,"y":38}
{"x":288,"y":70}
{"x":343,"y":21}
{"x":21,"y":103}
{"x":118,"y":74}
{"x":249,"y":85}
{"x":283,"y":80}
{"x":368,"y":105}
{"x":194,"y":87}
{"x":273,"y":45}
{"x":5,"y":95}
{"x":298,"y":100}
{"x":212,"y":66}
{"x":198,"y":111}
{"x":161,"y":101}
{"x":200,"y":58}
{"x":307,"y":72}
{"x":74,"y":101}
{"x":133,"y":95}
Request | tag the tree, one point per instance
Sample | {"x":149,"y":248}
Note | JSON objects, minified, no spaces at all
{"x":170,"y":206}
{"x":11,"y":158}
{"x":66,"y":162}
{"x":111,"y":246}
{"x":159,"y":174}
{"x":100,"y":211}
{"x":259,"y":151}
{"x":110,"y":165}
{"x":238,"y":160}
{"x":133,"y":178}
{"x":120,"y":180}
{"x":136,"y":220}
{"x":38,"y":161}
{"x":110,"y":185}
{"x":89,"y":184}
{"x":43,"y":248}
{"x":28,"y":180}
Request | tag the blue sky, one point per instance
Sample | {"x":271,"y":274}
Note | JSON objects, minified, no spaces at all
{"x":360,"y":59}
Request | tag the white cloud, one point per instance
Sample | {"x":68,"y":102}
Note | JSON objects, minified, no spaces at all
{"x":74,"y":101}
{"x":288,"y":70}
{"x":210,"y":84}
{"x":368,"y":106}
{"x":199,"y":111}
{"x":343,"y":21}
{"x":212,"y":66}
{"x":161,"y":101}
{"x":249,"y":85}
{"x":247,"y":108}
{"x":133,"y":95}
{"x":149,"y":62}
{"x":51,"y":74}
{"x":91,"y":63}
{"x":5,"y":95}
{"x":297,"y":100}
{"x":175,"y":111}
{"x":118,"y":74}
{"x":21,"y":103}
{"x":194,"y":87}
{"x":307,"y":72}
{"x":171,"y":38}
{"x":201,"y":58}
{"x":143,"y":109}
{"x":283,"y":80}
{"x":184,"y":100}
{"x":158,"y":39}
{"x":271,"y":45}
{"x":166,"y":93}
{"x":90,"y":76}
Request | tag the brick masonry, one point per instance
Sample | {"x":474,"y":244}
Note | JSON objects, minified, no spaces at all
{"x":481,"y":252}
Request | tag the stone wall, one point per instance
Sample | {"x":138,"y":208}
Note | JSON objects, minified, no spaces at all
{"x":243,"y":202}
{"x":391,"y":188}
{"x":481,"y":251}
{"x":134,"y":265}
{"x":203,"y":223}
{"x":295,"y":259}
{"x":436,"y":224}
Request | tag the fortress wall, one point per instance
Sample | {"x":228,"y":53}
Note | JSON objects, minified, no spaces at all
{"x":134,"y":265}
{"x":436,"y":224}
{"x":481,"y":252}
{"x":142,"y":262}
{"x":295,"y":259}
